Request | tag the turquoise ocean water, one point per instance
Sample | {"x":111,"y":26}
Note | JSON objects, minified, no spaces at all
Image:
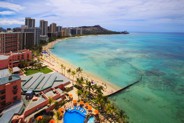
{"x":122,"y":59}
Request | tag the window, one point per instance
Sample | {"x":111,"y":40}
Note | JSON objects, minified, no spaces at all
{"x":14,"y":91}
{"x":2,"y":91}
{"x":3,"y":97}
{"x":15,"y":87}
{"x":3,"y":103}
{"x":15,"y":97}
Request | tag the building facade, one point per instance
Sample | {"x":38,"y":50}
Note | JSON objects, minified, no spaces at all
{"x":53,"y":28}
{"x":9,"y":41}
{"x":66,"y":32}
{"x":27,"y":40}
{"x":10,"y":90}
{"x":59,"y":28}
{"x":13,"y":59}
{"x":36,"y":32}
{"x":77,"y":31}
{"x":43,"y":27}
{"x":30,"y":22}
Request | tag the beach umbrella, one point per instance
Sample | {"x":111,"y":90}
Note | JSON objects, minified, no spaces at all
{"x":39,"y":118}
{"x":70,"y":95}
{"x":81,"y":103}
{"x":61,"y":109}
{"x":52,"y":121}
{"x":89,"y":108}
{"x":74,"y":102}
{"x":86,"y":105}
{"x":96,"y":112}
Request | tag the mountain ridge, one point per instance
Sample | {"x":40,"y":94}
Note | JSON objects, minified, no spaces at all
{"x":97,"y":29}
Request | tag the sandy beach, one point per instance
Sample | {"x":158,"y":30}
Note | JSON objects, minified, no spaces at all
{"x":55,"y":62}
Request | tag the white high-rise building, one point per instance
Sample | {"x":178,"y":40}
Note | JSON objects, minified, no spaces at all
{"x":43,"y":27}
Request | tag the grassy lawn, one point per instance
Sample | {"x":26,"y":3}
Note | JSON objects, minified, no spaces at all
{"x":43,"y":70}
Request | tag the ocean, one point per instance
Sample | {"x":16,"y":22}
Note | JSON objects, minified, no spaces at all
{"x":123,"y":59}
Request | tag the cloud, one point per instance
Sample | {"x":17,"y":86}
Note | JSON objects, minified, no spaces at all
{"x":7,"y":12}
{"x":11,"y":6}
{"x":119,"y":14}
{"x":11,"y":22}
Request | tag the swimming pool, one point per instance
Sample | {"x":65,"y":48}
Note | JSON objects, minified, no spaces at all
{"x":76,"y":115}
{"x":91,"y":120}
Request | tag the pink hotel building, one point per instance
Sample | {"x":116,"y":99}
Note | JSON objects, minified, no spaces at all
{"x":13,"y":59}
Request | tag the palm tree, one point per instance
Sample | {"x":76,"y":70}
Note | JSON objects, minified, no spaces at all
{"x":78,"y":70}
{"x":100,"y":101}
{"x":57,"y":115}
{"x":69,"y":71}
{"x":51,"y":100}
{"x":73,"y":74}
{"x":98,"y":89}
{"x":88,"y":86}
{"x":79,"y":93}
{"x":56,"y":103}
{"x":80,"y":82}
{"x":108,"y":108}
{"x":62,"y":67}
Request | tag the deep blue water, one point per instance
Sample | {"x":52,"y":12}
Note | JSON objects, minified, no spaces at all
{"x":122,"y":59}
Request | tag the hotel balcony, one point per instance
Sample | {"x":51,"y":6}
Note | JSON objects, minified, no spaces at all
{"x":14,"y":91}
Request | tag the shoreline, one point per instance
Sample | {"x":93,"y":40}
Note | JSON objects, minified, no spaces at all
{"x":108,"y":87}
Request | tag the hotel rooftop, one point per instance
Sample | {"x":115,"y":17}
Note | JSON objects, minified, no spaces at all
{"x":6,"y":80}
{"x":39,"y":81}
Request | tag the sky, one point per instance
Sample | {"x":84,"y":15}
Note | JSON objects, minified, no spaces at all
{"x":117,"y":15}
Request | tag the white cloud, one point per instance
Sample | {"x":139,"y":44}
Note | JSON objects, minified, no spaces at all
{"x":7,"y":12}
{"x":108,"y":13}
{"x":11,"y":6}
{"x":11,"y":22}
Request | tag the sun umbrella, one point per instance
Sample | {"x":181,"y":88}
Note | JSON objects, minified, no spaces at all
{"x":52,"y":121}
{"x":81,"y":103}
{"x":39,"y":118}
{"x":74,"y":101}
{"x":86,"y":105}
{"x":89,"y":108}
{"x":61,"y":109}
{"x":96,"y":112}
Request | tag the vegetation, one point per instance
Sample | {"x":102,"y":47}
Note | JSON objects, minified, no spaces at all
{"x":78,"y":71}
{"x":69,"y":71}
{"x":57,"y":115}
{"x":33,"y":71}
{"x":51,"y":100}
{"x":93,"y":93}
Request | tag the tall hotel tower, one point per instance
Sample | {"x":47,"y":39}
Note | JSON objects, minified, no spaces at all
{"x":44,"y":27}
{"x":29,"y":22}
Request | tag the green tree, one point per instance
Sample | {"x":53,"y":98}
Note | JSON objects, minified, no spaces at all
{"x":57,"y":115}
{"x":62,"y":67}
{"x":79,"y":71}
{"x":51,"y":100}
{"x":80,"y":82}
{"x":88,"y":86}
{"x":73,"y":74}
{"x":98,"y":89}
{"x":56,"y":103}
{"x":79,"y":93}
{"x":69,"y":71}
